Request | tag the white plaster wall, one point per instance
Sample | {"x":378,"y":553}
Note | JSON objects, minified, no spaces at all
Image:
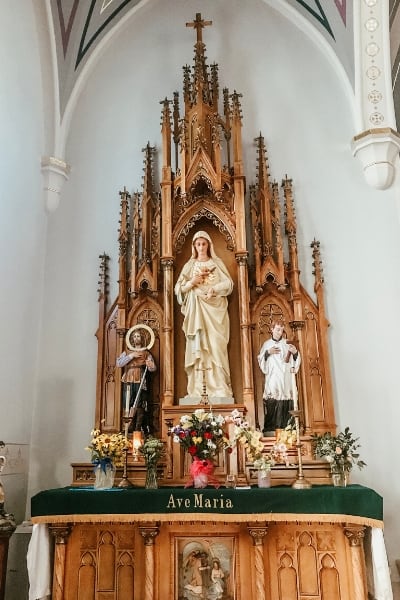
{"x":293,"y":95}
{"x":22,"y":234}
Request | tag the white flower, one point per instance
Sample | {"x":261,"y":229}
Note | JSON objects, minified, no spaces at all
{"x":200,"y":414}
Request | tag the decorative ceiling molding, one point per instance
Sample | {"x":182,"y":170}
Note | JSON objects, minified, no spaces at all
{"x":315,"y":9}
{"x":66,"y":31}
{"x":88,"y":38}
{"x":105,"y":5}
{"x":341,"y":6}
{"x":377,"y":143}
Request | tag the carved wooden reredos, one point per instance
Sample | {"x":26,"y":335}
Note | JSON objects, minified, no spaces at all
{"x":203,"y":187}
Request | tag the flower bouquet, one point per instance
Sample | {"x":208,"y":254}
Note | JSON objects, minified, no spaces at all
{"x":285,"y":440}
{"x":202,"y":435}
{"x":340,"y":451}
{"x":108,"y":447}
{"x":107,"y":453}
{"x":250,"y":438}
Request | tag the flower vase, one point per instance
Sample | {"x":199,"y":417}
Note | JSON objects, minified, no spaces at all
{"x":151,"y":482}
{"x":202,"y":473}
{"x":339,"y":477}
{"x":104,"y":472}
{"x":264,"y":478}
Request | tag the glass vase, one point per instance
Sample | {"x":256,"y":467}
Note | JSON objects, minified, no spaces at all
{"x":339,"y":477}
{"x":264,"y":478}
{"x":151,"y":482}
{"x":104,"y":473}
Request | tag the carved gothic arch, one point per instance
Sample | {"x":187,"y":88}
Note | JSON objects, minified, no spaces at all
{"x":210,"y":212}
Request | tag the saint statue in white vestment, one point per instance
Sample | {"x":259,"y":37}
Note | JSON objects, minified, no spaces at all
{"x":279,"y":361}
{"x":202,"y":289}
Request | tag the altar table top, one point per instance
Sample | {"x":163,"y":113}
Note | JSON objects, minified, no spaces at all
{"x":323,"y":503}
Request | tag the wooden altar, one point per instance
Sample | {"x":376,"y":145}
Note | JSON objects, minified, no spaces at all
{"x":254,"y":231}
{"x":276,"y":544}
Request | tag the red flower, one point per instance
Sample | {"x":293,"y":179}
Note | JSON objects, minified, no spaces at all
{"x":208,"y":435}
{"x":192,"y":450}
{"x":182,"y":435}
{"x":193,"y":433}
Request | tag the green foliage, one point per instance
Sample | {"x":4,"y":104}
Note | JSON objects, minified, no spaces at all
{"x":340,"y":450}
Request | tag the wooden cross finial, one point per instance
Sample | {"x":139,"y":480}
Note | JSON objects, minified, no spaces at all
{"x":198,"y":24}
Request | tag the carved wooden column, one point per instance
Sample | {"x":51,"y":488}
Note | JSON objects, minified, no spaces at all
{"x":245,"y":333}
{"x":61,"y":534}
{"x":258,"y":532}
{"x":355,"y":536}
{"x":149,"y":532}
{"x":167,"y":385}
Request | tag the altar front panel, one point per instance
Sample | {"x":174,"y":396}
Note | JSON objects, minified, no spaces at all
{"x":165,"y":543}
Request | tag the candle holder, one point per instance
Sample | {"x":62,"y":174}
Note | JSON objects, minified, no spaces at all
{"x":137,"y":442}
{"x":125,"y":483}
{"x":300,"y":483}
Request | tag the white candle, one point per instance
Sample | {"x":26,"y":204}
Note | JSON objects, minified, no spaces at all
{"x":127,"y":397}
{"x":294,"y":391}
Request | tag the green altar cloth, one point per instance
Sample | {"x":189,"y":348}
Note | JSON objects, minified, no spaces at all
{"x":321,"y":503}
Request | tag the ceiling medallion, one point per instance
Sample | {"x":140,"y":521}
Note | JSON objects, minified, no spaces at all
{"x":373,"y":72}
{"x":372,"y":24}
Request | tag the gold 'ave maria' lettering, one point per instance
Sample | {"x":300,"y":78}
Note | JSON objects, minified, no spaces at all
{"x":175,"y":503}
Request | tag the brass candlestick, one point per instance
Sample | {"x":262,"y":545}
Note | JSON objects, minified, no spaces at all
{"x":125,"y":483}
{"x":300,"y":483}
{"x":204,"y":395}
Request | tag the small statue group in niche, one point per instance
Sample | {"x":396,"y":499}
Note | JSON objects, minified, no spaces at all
{"x":279,"y":360}
{"x":137,"y":365}
{"x":202,"y":289}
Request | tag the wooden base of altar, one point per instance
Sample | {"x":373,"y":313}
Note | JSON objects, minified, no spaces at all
{"x":209,"y":544}
{"x":269,"y":561}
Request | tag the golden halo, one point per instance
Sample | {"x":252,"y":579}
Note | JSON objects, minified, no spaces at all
{"x":139,"y":326}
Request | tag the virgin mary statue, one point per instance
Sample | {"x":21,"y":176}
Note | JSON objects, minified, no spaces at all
{"x":202,"y":289}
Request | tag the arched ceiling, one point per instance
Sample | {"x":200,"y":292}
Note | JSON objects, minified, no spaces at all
{"x":361,"y":37}
{"x":80,"y":26}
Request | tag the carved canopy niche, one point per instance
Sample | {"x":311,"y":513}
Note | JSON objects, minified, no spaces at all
{"x":203,"y":186}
